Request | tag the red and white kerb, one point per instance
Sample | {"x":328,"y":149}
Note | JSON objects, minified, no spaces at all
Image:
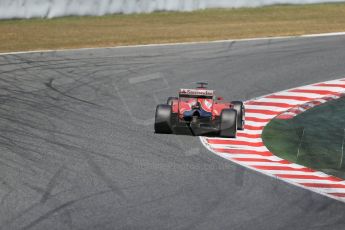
{"x":249,"y":150}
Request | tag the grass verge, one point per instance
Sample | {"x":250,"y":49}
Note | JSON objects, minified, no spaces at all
{"x":316,"y":138}
{"x":165,"y":27}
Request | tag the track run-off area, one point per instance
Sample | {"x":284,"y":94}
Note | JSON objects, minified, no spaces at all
{"x":78,"y":151}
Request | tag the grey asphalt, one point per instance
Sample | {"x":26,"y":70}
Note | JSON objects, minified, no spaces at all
{"x":77,"y":148}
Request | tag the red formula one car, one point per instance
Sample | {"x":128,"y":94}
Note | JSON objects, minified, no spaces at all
{"x":199,"y":112}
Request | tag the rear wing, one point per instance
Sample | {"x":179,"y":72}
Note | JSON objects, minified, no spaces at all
{"x":196,"y":93}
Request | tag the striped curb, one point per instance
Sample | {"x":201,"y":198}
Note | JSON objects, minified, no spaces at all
{"x":249,"y":150}
{"x":294,"y":111}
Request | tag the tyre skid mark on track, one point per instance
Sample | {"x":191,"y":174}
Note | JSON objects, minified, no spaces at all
{"x":249,"y":150}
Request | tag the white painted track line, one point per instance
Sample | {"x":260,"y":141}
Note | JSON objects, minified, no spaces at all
{"x":183,"y":43}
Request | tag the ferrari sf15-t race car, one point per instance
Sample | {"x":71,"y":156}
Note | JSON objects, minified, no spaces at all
{"x":200,"y":112}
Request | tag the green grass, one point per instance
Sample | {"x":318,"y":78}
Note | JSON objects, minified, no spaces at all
{"x":314,"y":138}
{"x":165,"y":27}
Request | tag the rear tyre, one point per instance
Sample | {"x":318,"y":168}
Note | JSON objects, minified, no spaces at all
{"x":228,"y":123}
{"x":239,"y":107}
{"x":163,"y":119}
{"x":170,"y":100}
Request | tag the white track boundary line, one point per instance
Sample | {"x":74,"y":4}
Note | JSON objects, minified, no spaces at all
{"x":275,"y":172}
{"x":182,"y":43}
{"x":267,"y":173}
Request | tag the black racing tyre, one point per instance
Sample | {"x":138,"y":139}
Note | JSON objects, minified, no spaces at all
{"x":163,"y":119}
{"x":228,"y":123}
{"x":170,"y":99}
{"x":239,"y":107}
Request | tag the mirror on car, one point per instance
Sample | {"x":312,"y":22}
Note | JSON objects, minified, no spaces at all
{"x":220,"y":98}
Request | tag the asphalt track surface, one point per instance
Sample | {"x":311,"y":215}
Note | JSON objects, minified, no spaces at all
{"x":77,"y":148}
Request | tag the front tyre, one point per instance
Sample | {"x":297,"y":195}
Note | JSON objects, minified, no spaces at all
{"x":239,"y":107}
{"x":228,"y":123}
{"x":163,"y":119}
